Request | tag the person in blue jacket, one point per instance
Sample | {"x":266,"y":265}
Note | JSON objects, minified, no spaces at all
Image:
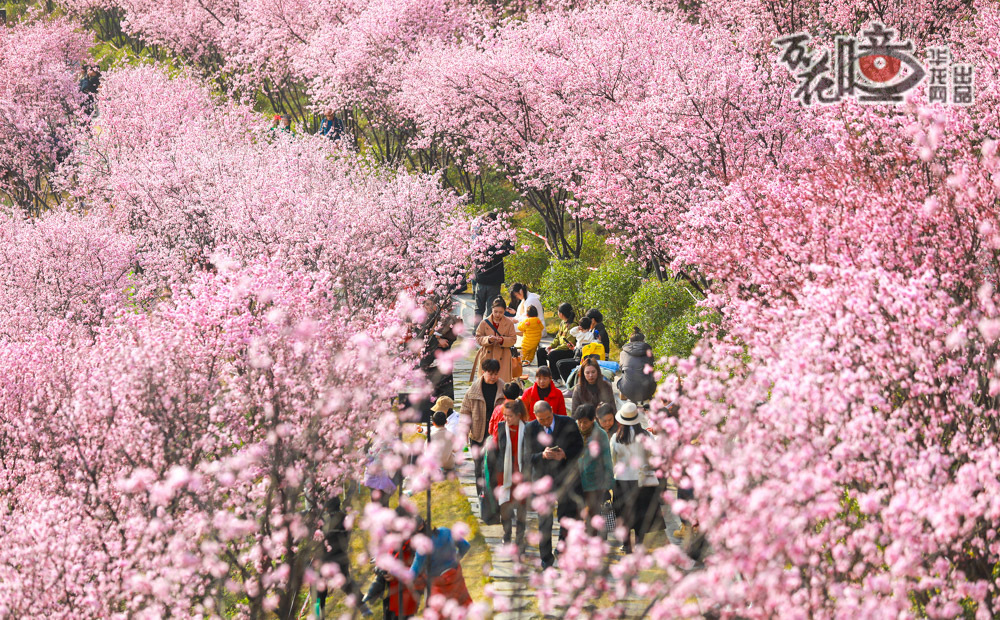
{"x":442,"y":565}
{"x":331,"y":126}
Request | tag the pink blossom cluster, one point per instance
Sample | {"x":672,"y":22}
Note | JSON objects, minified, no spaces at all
{"x":199,"y":350}
{"x":41,"y":113}
{"x":189,"y":180}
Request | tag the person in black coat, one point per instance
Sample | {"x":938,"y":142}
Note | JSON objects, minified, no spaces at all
{"x":554,"y":456}
{"x":600,"y":331}
{"x":336,"y":550}
{"x":489,"y":274}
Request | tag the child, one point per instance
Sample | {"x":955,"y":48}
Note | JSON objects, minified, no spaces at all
{"x":583,"y":334}
{"x":531,"y":327}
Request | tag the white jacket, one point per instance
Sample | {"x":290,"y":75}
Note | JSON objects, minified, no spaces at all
{"x":632,"y":463}
{"x":582,"y":338}
{"x":531,"y":299}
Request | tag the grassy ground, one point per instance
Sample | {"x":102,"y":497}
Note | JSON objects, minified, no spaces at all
{"x":448,"y":506}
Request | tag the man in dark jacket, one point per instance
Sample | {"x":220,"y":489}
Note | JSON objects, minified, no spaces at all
{"x":331,"y":126}
{"x":88,"y":86}
{"x":489,"y":275}
{"x":555,"y":456}
{"x":637,"y":384}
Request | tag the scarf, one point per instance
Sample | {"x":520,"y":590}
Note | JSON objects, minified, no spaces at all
{"x":508,"y":465}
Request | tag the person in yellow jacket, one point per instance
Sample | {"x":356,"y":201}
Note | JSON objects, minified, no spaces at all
{"x":531,"y":328}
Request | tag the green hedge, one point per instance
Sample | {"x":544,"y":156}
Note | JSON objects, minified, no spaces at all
{"x":683,"y":333}
{"x":527,"y":266}
{"x":564,"y":282}
{"x":654,"y":305}
{"x":610,"y":288}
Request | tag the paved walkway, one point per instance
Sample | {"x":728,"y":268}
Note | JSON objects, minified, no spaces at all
{"x":507,"y":581}
{"x":510,"y":581}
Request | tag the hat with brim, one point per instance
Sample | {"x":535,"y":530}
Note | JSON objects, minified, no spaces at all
{"x":444,"y":404}
{"x":628,"y":415}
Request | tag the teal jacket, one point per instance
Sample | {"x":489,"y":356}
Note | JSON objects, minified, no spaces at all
{"x":597,"y":473}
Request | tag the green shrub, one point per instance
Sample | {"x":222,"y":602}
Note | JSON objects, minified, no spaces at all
{"x":527,"y":266}
{"x":654,"y":305}
{"x":564,"y":282}
{"x":678,"y":339}
{"x":594,"y":250}
{"x":609,"y":289}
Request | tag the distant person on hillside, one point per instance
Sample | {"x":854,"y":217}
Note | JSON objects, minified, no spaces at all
{"x":84,"y":83}
{"x":88,"y":86}
{"x":532,"y":328}
{"x":331,"y":126}
{"x":562,"y":345}
{"x":286,"y":124}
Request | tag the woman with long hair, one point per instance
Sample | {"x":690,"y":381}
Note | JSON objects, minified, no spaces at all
{"x":592,"y":389}
{"x":636,"y":500}
{"x":563,"y":344}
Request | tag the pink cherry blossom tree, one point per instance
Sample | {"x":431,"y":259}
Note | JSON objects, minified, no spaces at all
{"x":41,"y":111}
{"x":165,"y":168}
{"x":201,"y":350}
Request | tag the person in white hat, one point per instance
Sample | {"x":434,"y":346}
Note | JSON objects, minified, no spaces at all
{"x":635,"y":499}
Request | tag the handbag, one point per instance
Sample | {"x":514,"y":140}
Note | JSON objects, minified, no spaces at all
{"x":489,"y":508}
{"x":610,"y":521}
{"x":516,"y":367}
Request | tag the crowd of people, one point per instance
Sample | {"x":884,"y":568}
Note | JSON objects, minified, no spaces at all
{"x":594,"y":456}
{"x":568,"y":422}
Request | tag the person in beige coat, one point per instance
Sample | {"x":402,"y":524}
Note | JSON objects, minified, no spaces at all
{"x":495,"y":343}
{"x":483,"y":396}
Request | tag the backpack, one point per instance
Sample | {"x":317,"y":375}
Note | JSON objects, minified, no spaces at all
{"x":592,"y":348}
